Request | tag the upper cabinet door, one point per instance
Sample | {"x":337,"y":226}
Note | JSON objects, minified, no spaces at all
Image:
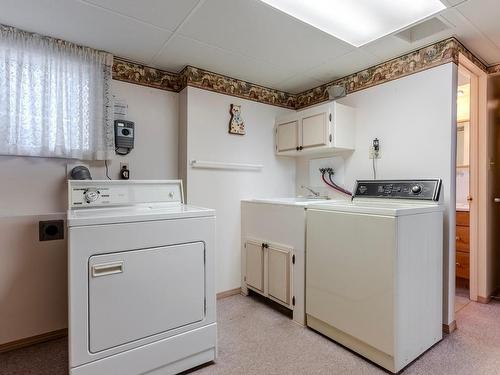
{"x":287,"y":136}
{"x":315,"y":130}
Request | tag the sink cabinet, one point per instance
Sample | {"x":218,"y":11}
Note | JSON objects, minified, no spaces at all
{"x":462,"y":267}
{"x":273,"y":253}
{"x":323,"y":129}
{"x":268,"y":270}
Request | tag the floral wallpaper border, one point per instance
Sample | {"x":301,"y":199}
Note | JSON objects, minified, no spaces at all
{"x":494,"y":69}
{"x":424,"y":58}
{"x":127,"y":71}
{"x":439,"y":53}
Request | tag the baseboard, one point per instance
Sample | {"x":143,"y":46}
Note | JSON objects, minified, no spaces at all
{"x":484,"y":300}
{"x":228,"y":293}
{"x":449,"y":328}
{"x":27,"y":341}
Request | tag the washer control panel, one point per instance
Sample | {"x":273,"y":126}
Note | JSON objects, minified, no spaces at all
{"x":425,"y":189}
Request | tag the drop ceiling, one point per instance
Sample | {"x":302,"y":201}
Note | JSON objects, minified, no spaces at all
{"x":245,"y":39}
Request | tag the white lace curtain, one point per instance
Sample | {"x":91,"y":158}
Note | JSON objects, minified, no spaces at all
{"x":55,"y":98}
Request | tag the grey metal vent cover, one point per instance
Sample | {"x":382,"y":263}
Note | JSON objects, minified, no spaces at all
{"x":424,"y":29}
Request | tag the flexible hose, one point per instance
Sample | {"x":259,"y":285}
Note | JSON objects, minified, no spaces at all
{"x":335,"y":186}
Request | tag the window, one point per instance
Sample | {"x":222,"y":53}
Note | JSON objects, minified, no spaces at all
{"x":55,"y":98}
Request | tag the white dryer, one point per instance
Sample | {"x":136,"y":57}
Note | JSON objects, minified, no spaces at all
{"x":141,"y":279}
{"x":374,"y":270}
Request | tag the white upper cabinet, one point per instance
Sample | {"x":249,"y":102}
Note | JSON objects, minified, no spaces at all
{"x":287,"y":136}
{"x":314,"y":130}
{"x":323,"y":129}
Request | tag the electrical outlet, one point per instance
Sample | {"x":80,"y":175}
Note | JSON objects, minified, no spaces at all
{"x":372,"y":154}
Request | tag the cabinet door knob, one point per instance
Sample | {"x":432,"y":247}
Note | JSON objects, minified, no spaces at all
{"x":458,"y":264}
{"x":457,"y":238}
{"x":300,"y":148}
{"x":297,"y":148}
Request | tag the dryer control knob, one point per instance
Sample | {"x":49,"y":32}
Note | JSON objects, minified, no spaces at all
{"x":91,"y":195}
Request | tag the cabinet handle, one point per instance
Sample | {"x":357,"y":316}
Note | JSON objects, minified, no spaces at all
{"x":457,"y":238}
{"x":266,"y":245}
{"x":458,"y":264}
{"x":297,"y":148}
{"x":300,"y":148}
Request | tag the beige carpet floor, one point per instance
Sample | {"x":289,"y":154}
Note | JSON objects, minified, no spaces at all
{"x":256,"y":339}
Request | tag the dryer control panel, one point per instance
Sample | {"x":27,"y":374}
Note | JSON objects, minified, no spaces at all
{"x":93,"y":193}
{"x":424,"y":189}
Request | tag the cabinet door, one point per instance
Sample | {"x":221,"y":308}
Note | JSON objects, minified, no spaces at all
{"x":315,"y":130}
{"x":287,"y":136}
{"x":255,"y":265}
{"x":279,"y":274}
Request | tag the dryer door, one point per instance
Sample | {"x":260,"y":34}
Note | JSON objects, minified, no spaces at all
{"x":139,"y":293}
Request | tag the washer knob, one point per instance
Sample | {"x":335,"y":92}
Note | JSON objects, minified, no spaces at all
{"x":416,"y":189}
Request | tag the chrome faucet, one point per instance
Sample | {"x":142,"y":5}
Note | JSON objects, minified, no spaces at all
{"x":315,"y":193}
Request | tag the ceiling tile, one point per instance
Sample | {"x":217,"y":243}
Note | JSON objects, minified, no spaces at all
{"x":472,"y":37}
{"x":484,"y":15}
{"x":297,"y":84}
{"x":391,"y":46}
{"x":344,"y":65}
{"x":166,"y":14}
{"x":87,"y":25}
{"x":253,"y":27}
{"x":182,"y":51}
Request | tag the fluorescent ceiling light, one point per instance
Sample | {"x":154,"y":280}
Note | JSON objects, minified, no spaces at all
{"x":358,"y":22}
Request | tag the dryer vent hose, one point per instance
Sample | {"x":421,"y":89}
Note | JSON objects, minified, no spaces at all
{"x":80,"y":172}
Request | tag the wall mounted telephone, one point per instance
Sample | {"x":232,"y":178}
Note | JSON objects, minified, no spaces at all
{"x":124,"y":136}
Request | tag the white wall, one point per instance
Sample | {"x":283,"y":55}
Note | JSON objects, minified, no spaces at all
{"x":32,"y":273}
{"x":414,"y":119}
{"x":208,"y":139}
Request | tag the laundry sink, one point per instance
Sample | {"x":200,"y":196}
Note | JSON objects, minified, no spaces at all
{"x":300,"y":201}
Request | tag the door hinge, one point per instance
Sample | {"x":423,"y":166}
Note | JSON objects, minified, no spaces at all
{"x":293,"y":301}
{"x":245,"y":278}
{"x":245,"y":245}
{"x":293,"y":259}
{"x":330,"y":117}
{"x":330,"y":137}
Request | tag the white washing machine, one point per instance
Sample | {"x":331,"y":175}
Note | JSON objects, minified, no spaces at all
{"x":374,"y":270}
{"x":141,"y":279}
